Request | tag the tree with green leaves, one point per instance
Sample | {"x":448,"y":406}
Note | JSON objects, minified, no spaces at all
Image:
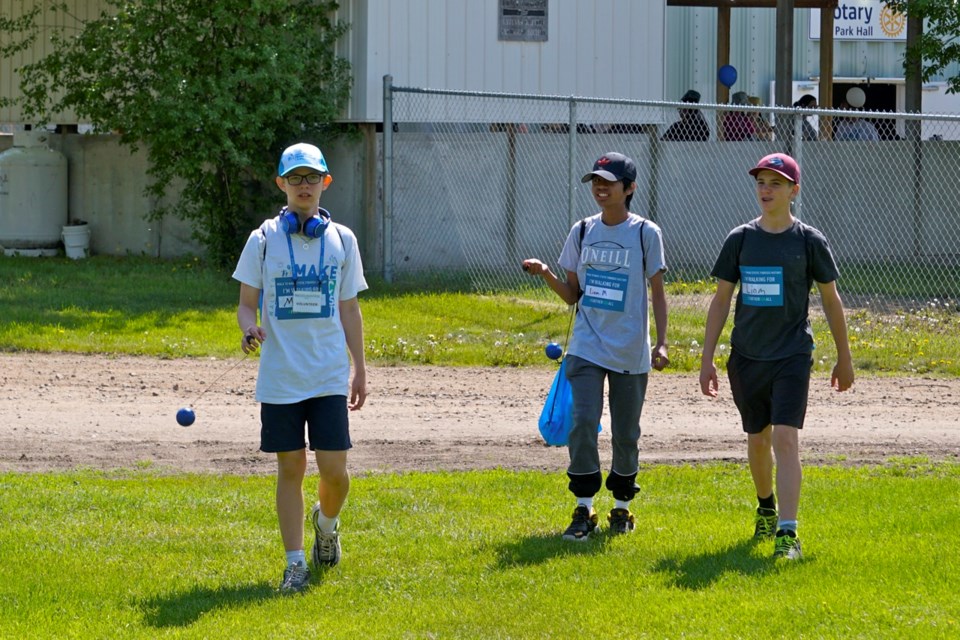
{"x":213,"y":90}
{"x":939,"y":45}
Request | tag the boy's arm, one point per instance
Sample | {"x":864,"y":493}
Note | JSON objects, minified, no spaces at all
{"x":352,"y":321}
{"x":253,"y":334}
{"x":716,"y":318}
{"x":842,"y":376}
{"x":569,"y":291}
{"x":658,"y":300}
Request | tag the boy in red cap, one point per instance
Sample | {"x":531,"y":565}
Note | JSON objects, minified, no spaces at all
{"x":776,"y":258}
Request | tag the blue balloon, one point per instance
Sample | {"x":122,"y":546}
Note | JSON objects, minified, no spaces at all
{"x":727,"y":75}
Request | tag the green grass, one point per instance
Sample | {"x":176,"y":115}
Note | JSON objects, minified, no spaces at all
{"x":183,"y":308}
{"x":477,"y":555}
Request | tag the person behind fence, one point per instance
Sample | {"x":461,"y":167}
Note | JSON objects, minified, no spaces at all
{"x":807,"y":101}
{"x":739,"y":125}
{"x":302,"y":272}
{"x":609,"y":258}
{"x":776,"y":259}
{"x":691,"y":126}
{"x":847,"y":128}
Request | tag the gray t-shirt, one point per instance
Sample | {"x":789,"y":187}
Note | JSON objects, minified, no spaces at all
{"x":612,"y":326}
{"x":775,"y":271}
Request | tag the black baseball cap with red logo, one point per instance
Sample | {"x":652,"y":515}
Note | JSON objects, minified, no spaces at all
{"x":614,"y":167}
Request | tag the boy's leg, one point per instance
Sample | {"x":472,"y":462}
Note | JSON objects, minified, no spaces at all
{"x":786,"y":447}
{"x":760,"y":458}
{"x":627,"y":393}
{"x":334,"y":482}
{"x":281,"y":433}
{"x":332,"y":493}
{"x":586,"y":384}
{"x":291,"y":468}
{"x":328,"y":428}
{"x":789,"y":408}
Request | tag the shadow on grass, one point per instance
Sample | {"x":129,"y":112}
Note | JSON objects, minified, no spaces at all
{"x":540,"y":548}
{"x":700,"y":571}
{"x":185,"y":608}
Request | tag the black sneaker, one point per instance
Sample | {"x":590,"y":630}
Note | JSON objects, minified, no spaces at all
{"x":765,"y":523}
{"x":621,"y":521}
{"x":584,"y":523}
{"x":787,"y":545}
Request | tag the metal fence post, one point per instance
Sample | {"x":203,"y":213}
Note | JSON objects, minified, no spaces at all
{"x":387,"y":247}
{"x":571,"y":162}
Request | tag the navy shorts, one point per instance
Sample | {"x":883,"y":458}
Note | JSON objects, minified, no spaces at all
{"x":770,"y":391}
{"x":281,"y":425}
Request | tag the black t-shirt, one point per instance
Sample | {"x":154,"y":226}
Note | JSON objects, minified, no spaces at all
{"x":775,"y":272}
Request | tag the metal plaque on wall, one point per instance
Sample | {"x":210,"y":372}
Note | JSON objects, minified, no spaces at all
{"x":523,"y":20}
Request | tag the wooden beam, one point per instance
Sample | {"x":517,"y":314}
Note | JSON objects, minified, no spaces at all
{"x":752,"y":4}
{"x":723,"y":58}
{"x":826,"y":73}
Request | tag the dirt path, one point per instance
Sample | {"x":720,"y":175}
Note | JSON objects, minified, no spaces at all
{"x":66,"y":411}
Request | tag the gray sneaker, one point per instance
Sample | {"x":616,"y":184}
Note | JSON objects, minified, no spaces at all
{"x":326,"y":546}
{"x":296,"y":578}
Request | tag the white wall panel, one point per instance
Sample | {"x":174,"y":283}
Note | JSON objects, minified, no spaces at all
{"x":602,"y":48}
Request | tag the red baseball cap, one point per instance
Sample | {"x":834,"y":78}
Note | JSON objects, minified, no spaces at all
{"x":780,"y":163}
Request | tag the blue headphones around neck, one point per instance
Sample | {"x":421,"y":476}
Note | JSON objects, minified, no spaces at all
{"x":314,"y":227}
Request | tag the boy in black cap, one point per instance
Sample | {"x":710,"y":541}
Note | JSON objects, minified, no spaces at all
{"x":776,"y":258}
{"x":608,"y":259}
{"x":691,"y":126}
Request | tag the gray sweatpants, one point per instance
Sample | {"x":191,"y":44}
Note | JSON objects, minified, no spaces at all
{"x":627,"y":393}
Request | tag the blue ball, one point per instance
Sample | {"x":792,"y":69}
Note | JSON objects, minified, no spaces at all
{"x":185,"y":417}
{"x":554,"y":351}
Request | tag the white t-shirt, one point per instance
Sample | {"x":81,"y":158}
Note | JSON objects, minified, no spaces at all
{"x":305,"y":352}
{"x":612,"y":328}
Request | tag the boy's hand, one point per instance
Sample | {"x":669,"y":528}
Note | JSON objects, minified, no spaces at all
{"x":358,"y":390}
{"x":842,"y":377}
{"x":534,"y":267}
{"x":709,"y":384}
{"x":660,"y":361}
{"x":252,"y":339}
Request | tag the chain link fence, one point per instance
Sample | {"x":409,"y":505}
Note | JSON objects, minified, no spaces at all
{"x":467,"y":193}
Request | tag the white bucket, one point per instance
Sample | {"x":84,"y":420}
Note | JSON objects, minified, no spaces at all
{"x":76,"y":240}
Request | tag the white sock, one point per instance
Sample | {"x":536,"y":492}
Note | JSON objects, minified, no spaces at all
{"x":296,"y":557}
{"x":621,"y":504}
{"x":327,"y":525}
{"x":586,"y":502}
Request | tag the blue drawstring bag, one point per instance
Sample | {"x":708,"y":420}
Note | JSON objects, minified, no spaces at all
{"x":556,"y":419}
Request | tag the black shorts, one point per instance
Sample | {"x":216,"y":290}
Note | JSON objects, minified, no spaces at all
{"x":770,"y":391}
{"x":281,"y":425}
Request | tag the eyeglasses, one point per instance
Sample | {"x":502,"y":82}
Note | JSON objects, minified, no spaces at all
{"x":310,"y":178}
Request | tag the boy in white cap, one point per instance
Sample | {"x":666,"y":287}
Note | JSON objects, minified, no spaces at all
{"x":609,"y":258}
{"x":302,"y":272}
{"x":776,"y":258}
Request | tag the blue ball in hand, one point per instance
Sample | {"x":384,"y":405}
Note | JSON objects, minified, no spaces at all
{"x":554,"y":351}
